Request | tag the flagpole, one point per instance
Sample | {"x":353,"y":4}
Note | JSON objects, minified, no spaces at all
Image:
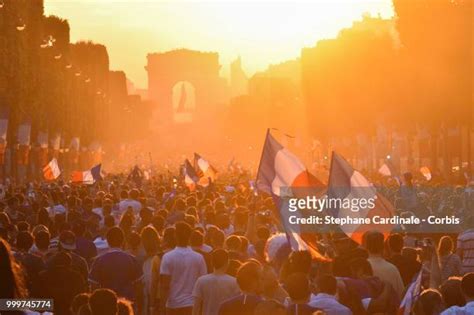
{"x":261,"y":156}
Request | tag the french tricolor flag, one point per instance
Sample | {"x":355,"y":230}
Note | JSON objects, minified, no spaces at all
{"x":190,"y":176}
{"x":346,"y":183}
{"x":87,"y":177}
{"x":280,"y":174}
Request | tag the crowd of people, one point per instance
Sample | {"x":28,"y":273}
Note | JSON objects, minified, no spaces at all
{"x":154,"y":246}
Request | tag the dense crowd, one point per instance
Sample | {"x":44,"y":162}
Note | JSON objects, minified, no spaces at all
{"x":127,"y":246}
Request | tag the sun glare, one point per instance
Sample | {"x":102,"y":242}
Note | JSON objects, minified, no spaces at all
{"x":261,"y":31}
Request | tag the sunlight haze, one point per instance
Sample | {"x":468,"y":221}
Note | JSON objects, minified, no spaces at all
{"x":262,"y":32}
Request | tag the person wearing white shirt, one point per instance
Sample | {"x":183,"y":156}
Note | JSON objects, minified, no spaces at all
{"x":467,"y":287}
{"x":213,"y":289}
{"x":132,"y":202}
{"x":180,"y":269}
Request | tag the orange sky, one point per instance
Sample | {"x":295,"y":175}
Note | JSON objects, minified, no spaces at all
{"x":260,"y":31}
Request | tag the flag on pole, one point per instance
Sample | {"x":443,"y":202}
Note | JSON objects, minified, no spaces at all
{"x":425,"y":171}
{"x":190,"y":176}
{"x":280,"y":174}
{"x":51,"y":171}
{"x":388,"y":170}
{"x":412,"y":294}
{"x":351,"y":187}
{"x":204,"y":170}
{"x":87,"y":177}
{"x":136,"y":175}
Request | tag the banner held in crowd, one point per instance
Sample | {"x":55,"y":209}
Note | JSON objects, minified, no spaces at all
{"x":87,"y":177}
{"x":51,"y":171}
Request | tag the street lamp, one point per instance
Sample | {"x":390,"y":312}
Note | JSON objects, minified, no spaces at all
{"x":2,"y":4}
{"x":57,"y":57}
{"x":21,"y":27}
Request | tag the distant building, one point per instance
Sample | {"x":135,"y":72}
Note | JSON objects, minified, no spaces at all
{"x":188,"y":77}
{"x":238,"y":79}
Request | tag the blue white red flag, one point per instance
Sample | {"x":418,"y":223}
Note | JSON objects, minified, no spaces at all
{"x":280,"y":174}
{"x":348,"y":189}
{"x":87,"y":177}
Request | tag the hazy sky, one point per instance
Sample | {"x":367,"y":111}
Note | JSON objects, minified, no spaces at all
{"x":260,"y":31}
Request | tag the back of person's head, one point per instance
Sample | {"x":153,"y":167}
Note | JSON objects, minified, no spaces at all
{"x":360,"y":267}
{"x":169,"y":237}
{"x":150,"y":240}
{"x":327,"y":284}
{"x":233,"y":267}
{"x":263,"y":233}
{"x":196,"y":239}
{"x":62,"y":259}
{"x":395,"y":242}
{"x":79,"y":228}
{"x":123,"y":194}
{"x":217,"y":239}
{"x":133,"y":240}
{"x":124,"y":307}
{"x":42,"y":239}
{"x":467,"y":285}
{"x":23,"y":226}
{"x":452,"y":293}
{"x":445,"y":245}
{"x":84,"y":310}
{"x":220,"y":259}
{"x":270,"y":307}
{"x":158,"y":222}
{"x":78,"y":301}
{"x":248,"y":277}
{"x":183,"y":233}
{"x":233,"y":243}
{"x":103,"y":302}
{"x":429,"y":302}
{"x":300,"y":261}
{"x":375,"y":242}
{"x":134,"y":194}
{"x":24,"y":241}
{"x":297,"y":286}
{"x":12,"y":284}
{"x":115,"y":237}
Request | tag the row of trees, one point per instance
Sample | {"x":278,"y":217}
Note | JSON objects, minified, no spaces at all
{"x":55,"y":86}
{"x":410,"y":76}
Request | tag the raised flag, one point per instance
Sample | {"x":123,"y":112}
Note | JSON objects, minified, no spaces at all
{"x":190,"y":176}
{"x":136,"y":175}
{"x":425,"y":171}
{"x":411,"y":295}
{"x":204,"y":170}
{"x":281,"y":174}
{"x":348,"y":187}
{"x":51,"y":171}
{"x":24,"y":133}
{"x":87,"y":177}
{"x":388,"y":170}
